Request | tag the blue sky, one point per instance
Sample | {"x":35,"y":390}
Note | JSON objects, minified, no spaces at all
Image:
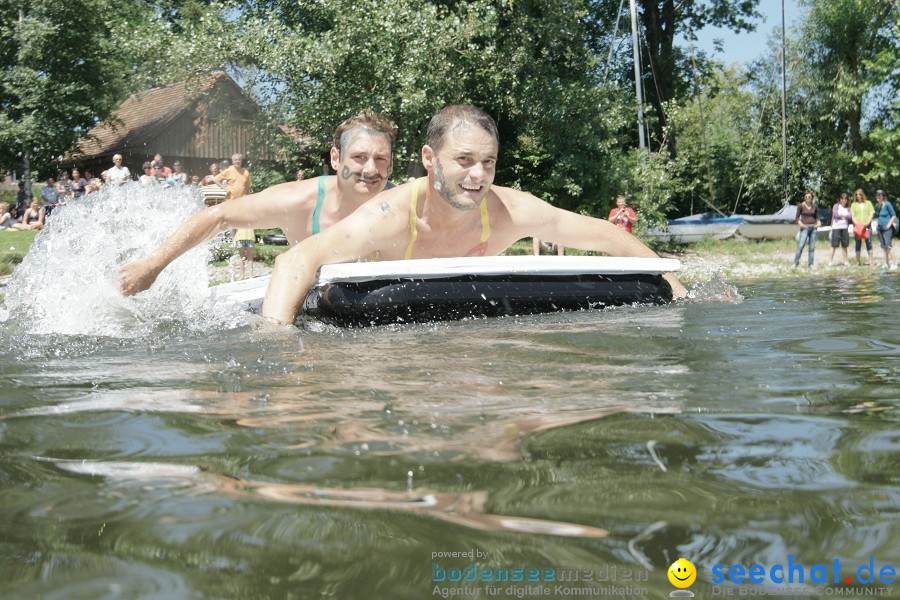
{"x":746,"y":47}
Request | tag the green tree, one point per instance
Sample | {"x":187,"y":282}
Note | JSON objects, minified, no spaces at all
{"x":322,"y":63}
{"x":842,"y":39}
{"x":56,"y":78}
{"x":60,"y":76}
{"x":661,"y":22}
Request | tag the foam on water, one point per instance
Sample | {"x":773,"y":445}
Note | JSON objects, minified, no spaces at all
{"x":68,"y":282}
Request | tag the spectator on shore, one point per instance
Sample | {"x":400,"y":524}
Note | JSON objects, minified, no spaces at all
{"x":212,"y":191}
{"x":808,"y":221}
{"x":537,"y":245}
{"x":840,"y":223}
{"x":158,"y":159}
{"x":236,"y":178}
{"x":211,"y":177}
{"x":6,"y":219}
{"x":63,"y":188}
{"x":117,"y":174}
{"x":32,"y":220}
{"x":78,"y":184}
{"x":147,"y":177}
{"x":158,"y":173}
{"x":238,"y":185}
{"x":49,"y":196}
{"x":622,"y":216}
{"x":179,"y":177}
{"x":22,"y":200}
{"x":94,"y":185}
{"x":862,"y":213}
{"x":887,"y":219}
{"x":301,"y":174}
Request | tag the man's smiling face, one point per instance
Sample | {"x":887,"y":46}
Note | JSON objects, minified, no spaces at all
{"x":465,"y":166}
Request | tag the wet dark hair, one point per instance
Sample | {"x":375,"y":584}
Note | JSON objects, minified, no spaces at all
{"x":368,"y":119}
{"x":441,"y":122}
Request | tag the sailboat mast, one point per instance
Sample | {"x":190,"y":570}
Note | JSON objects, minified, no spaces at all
{"x":784,"y":165}
{"x":637,"y":76}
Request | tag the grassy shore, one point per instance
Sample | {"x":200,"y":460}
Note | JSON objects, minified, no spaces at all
{"x":14,"y":246}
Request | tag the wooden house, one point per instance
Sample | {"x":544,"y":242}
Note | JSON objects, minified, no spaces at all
{"x":194,"y":123}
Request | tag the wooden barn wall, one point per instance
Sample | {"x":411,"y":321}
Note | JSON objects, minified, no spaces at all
{"x":227,"y":128}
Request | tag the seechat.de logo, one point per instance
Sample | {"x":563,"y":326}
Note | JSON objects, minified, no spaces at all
{"x":799,"y":573}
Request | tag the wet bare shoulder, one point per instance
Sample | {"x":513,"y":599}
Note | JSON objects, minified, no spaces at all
{"x":389,"y":204}
{"x":516,"y":205}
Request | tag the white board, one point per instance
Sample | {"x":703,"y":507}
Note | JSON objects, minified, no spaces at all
{"x":250,"y":292}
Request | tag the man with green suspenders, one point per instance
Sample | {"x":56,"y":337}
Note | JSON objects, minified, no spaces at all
{"x":454,"y":211}
{"x":361,"y":157}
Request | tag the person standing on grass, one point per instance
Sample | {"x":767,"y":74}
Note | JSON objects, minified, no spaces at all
{"x":238,"y":185}
{"x":49,"y":196}
{"x":862,"y":213}
{"x":79,"y":184}
{"x":808,"y":221}
{"x":158,"y":159}
{"x":887,"y":220}
{"x":840,"y":223}
{"x":622,"y":216}
{"x":147,"y":177}
{"x":117,"y":174}
{"x":178,"y":176}
{"x":23,"y":199}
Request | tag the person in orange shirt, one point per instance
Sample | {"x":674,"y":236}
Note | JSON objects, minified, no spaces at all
{"x":235,"y":178}
{"x":237,"y":183}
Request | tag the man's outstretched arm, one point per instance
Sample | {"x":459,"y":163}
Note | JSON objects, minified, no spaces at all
{"x":536,"y":217}
{"x":259,"y":211}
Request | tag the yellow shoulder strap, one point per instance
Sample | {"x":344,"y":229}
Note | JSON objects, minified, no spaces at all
{"x":485,"y":221}
{"x":412,"y":218}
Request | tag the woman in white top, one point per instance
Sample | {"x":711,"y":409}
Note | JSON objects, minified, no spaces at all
{"x":840,"y":222}
{"x":147,"y":177}
{"x":5,"y":218}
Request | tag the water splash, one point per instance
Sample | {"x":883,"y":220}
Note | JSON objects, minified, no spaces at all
{"x":710,"y":286}
{"x":68,"y":282}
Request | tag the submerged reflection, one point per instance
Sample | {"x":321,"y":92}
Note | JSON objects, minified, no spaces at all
{"x":466,"y":509}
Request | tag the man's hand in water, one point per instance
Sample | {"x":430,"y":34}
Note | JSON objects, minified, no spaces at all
{"x":136,"y":277}
{"x":678,"y":290}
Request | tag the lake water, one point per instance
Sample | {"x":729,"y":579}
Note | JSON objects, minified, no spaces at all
{"x":161,"y":448}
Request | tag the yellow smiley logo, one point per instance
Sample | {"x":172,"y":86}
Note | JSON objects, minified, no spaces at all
{"x":682,"y":573}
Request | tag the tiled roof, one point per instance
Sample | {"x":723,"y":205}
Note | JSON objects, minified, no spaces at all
{"x":142,"y":118}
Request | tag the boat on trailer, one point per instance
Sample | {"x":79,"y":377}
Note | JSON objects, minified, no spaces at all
{"x":438,"y":289}
{"x":694,"y":228}
{"x":777,"y":226}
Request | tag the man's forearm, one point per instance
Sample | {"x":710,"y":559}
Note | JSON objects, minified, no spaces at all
{"x":195,"y":231}
{"x":292,"y":278}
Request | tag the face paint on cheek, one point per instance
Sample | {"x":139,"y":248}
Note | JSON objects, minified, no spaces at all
{"x":439,"y":185}
{"x":346,"y":173}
